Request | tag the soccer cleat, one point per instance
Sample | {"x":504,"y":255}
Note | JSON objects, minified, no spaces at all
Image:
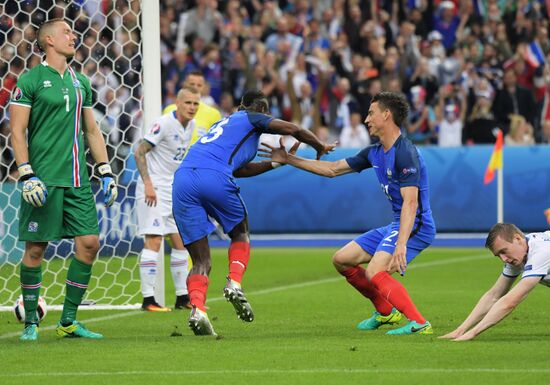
{"x":234,"y":294}
{"x":413,"y":327}
{"x":76,"y":330}
{"x":200,"y":324}
{"x":182,"y":302}
{"x":30,"y":333}
{"x":153,"y":306}
{"x":378,"y":320}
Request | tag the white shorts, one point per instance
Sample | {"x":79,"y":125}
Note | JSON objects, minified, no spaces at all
{"x":155,"y":220}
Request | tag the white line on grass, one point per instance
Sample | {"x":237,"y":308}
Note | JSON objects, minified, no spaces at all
{"x":283,"y":371}
{"x":265,"y":291}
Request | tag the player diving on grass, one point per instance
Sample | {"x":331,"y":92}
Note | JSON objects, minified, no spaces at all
{"x":157,"y":158}
{"x":402,"y":174}
{"x":525,"y":255}
{"x":204,"y":185}
{"x":51,"y":111}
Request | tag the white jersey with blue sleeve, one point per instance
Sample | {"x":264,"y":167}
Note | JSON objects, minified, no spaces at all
{"x":170,"y":141}
{"x":537,"y":263}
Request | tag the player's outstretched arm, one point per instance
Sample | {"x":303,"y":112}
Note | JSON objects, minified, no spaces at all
{"x":257,"y":168}
{"x":485,"y":303}
{"x":319,"y":167}
{"x":99,"y":153}
{"x":502,"y":307}
{"x":281,"y":127}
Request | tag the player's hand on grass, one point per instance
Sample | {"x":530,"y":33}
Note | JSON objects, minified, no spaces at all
{"x":108,"y":184}
{"x":34,"y":190}
{"x":150,"y":194}
{"x":399,"y":259}
{"x":466,"y":336}
{"x":452,"y":335}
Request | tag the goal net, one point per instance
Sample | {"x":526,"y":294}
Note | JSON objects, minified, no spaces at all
{"x":110,"y":54}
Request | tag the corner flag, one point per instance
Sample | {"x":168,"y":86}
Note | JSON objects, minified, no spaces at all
{"x":495,"y":162}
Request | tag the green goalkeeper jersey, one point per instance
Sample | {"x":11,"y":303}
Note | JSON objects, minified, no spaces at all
{"x":55,"y":140}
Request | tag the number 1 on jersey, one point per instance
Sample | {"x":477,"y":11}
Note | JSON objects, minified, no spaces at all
{"x":66,"y":97}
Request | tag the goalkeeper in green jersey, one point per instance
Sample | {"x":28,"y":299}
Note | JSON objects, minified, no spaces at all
{"x":50,"y":114}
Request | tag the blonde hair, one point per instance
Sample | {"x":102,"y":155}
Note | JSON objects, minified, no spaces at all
{"x":516,"y":121}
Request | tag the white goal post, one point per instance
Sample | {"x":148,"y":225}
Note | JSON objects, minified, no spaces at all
{"x":119,"y":50}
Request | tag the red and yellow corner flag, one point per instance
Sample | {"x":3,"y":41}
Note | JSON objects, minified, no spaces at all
{"x":496,"y":159}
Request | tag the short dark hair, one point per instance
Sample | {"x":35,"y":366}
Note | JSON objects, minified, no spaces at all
{"x":195,"y":73}
{"x":504,"y":230}
{"x":254,"y":100}
{"x":396,"y":103}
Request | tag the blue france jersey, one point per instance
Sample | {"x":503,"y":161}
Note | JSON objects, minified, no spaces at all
{"x":401,"y":166}
{"x":231,"y":143}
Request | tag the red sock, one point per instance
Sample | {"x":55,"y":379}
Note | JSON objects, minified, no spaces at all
{"x":357,"y":278}
{"x":397,"y":295}
{"x":239,"y":255}
{"x":197,"y":285}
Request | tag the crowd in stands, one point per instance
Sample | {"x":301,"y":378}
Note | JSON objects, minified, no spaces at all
{"x":467,"y":67}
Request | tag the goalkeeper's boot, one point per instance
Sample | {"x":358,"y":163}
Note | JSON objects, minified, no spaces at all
{"x":378,"y":320}
{"x":149,"y":304}
{"x":182,"y":302}
{"x":200,"y":324}
{"x":413,"y":327}
{"x":234,"y":294}
{"x":30,"y":333}
{"x":76,"y":330}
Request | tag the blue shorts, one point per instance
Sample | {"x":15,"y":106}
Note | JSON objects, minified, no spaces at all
{"x":384,"y":239}
{"x":199,"y":193}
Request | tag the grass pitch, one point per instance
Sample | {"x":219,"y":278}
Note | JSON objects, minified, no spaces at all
{"x":304,"y":332}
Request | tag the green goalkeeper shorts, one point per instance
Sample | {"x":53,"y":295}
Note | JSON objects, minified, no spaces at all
{"x":68,"y":212}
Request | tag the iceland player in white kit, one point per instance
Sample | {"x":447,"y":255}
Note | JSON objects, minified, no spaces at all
{"x":157,"y":157}
{"x":527,"y":256}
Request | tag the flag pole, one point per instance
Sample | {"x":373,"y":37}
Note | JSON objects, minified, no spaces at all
{"x":500,"y":194}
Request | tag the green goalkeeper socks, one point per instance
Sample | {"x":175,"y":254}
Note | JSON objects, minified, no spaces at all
{"x":31,"y":280}
{"x":76,"y":284}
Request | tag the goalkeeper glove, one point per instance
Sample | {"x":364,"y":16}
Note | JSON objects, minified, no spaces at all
{"x":34,"y":190}
{"x":108,"y":184}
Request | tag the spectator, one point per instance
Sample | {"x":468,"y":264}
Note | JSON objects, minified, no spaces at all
{"x":520,"y":133}
{"x":513,"y":99}
{"x":481,"y":122}
{"x":355,"y":135}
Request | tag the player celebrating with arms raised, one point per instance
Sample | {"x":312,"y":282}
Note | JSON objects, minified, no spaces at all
{"x":204,"y":185}
{"x":51,"y":108}
{"x":157,"y":158}
{"x":401,"y":171}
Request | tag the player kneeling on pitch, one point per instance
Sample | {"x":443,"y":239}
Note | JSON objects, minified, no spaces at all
{"x":525,"y":255}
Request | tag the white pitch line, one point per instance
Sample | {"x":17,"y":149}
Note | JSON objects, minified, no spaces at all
{"x":264,"y":291}
{"x":282,"y":371}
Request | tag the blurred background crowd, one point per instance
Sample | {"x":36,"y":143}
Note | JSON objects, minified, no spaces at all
{"x":467,"y":67}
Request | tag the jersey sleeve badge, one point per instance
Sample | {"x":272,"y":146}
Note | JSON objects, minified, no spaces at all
{"x":155,"y":129}
{"x":17,"y":94}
